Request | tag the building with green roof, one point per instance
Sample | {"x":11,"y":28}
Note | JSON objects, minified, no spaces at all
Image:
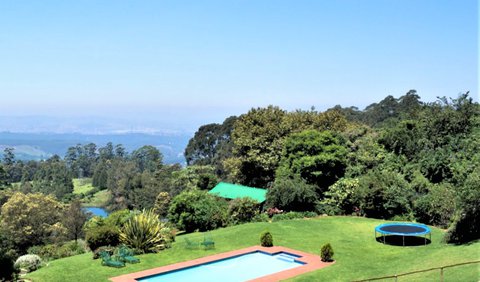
{"x":235,"y":191}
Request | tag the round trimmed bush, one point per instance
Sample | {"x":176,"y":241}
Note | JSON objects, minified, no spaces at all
{"x":266,"y":240}
{"x":326,"y":253}
{"x":28,"y":262}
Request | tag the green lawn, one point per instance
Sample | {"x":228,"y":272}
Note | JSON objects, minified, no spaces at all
{"x":82,"y":185}
{"x":357,"y":254}
{"x":98,"y":199}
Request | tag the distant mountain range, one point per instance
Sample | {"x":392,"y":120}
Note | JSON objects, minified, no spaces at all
{"x":93,"y":125}
{"x":40,"y":137}
{"x":37,"y":146}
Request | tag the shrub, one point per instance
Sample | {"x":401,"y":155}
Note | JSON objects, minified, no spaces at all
{"x":118,"y":218}
{"x":266,"y":239}
{"x":146,"y":233}
{"x":8,"y":270}
{"x":93,"y":222}
{"x":292,"y":194}
{"x":242,"y":210}
{"x":102,"y":236}
{"x":109,"y":249}
{"x":466,"y":226}
{"x":195,"y":209}
{"x":326,"y":252}
{"x":72,"y":249}
{"x":339,"y":199}
{"x":54,"y":251}
{"x":292,"y":215}
{"x":384,"y":194}
{"x":28,"y":262}
{"x":46,"y":252}
{"x":261,"y":217}
{"x":437,"y":207}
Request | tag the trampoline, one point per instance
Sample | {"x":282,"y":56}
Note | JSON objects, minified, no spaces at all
{"x":403,"y":229}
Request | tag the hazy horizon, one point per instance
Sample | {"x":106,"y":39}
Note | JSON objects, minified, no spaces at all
{"x":165,"y":65}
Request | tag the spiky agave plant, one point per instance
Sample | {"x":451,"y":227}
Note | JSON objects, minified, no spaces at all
{"x":145,"y":232}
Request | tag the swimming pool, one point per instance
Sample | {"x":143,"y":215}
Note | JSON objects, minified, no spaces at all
{"x":254,"y":263}
{"x":236,"y":269}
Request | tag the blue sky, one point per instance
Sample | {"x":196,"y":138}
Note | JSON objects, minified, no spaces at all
{"x":195,"y":62}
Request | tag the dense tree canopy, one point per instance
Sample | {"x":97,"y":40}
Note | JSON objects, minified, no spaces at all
{"x":258,"y":140}
{"x":31,"y":219}
{"x":317,"y":157}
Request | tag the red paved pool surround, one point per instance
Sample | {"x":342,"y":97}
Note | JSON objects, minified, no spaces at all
{"x":312,"y":262}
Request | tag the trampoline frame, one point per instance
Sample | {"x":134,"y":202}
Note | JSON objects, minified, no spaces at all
{"x":426,"y":231}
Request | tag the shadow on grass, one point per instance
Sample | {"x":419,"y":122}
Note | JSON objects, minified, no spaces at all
{"x":396,"y":240}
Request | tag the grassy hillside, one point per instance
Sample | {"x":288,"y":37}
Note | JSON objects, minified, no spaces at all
{"x":357,"y":253}
{"x":82,"y":185}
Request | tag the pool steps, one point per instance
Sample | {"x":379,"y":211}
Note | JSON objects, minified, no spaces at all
{"x":286,"y":257}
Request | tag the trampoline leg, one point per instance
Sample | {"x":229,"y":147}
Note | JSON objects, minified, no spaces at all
{"x":403,"y":238}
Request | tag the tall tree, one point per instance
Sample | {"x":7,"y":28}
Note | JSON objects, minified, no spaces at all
{"x":211,"y":144}
{"x":147,"y":158}
{"x":74,"y":218}
{"x":53,"y":177}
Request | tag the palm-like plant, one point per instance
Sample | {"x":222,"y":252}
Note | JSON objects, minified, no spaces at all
{"x":145,"y":232}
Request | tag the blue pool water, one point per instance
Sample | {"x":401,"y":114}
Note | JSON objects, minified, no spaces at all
{"x":96,"y":211}
{"x":235,"y":269}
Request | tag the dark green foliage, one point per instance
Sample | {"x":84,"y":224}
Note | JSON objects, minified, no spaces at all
{"x":243,"y":210}
{"x":403,"y":138}
{"x":53,"y":177}
{"x":293,"y":215}
{"x":55,"y":251}
{"x":466,"y":226}
{"x":326,"y":252}
{"x":384,"y":194}
{"x":195,"y":209}
{"x":100,"y":175}
{"x":210,"y":145}
{"x":437,"y":206}
{"x":106,"y":153}
{"x":292,"y":195}
{"x":74,"y":219}
{"x":7,"y":256}
{"x":4,"y":181}
{"x":7,"y":269}
{"x":258,"y":138}
{"x":317,"y":157}
{"x":147,"y":158}
{"x":81,"y":159}
{"x":105,"y":235}
{"x":266,"y":239}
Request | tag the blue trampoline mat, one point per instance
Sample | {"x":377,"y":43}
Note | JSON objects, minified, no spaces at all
{"x":403,"y":229}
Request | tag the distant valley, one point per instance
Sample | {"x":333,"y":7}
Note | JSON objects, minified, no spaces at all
{"x":37,"y":146}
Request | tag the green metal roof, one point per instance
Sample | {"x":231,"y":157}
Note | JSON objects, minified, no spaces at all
{"x":234,"y":191}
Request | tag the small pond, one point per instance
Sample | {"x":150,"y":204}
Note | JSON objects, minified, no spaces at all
{"x":96,"y":211}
